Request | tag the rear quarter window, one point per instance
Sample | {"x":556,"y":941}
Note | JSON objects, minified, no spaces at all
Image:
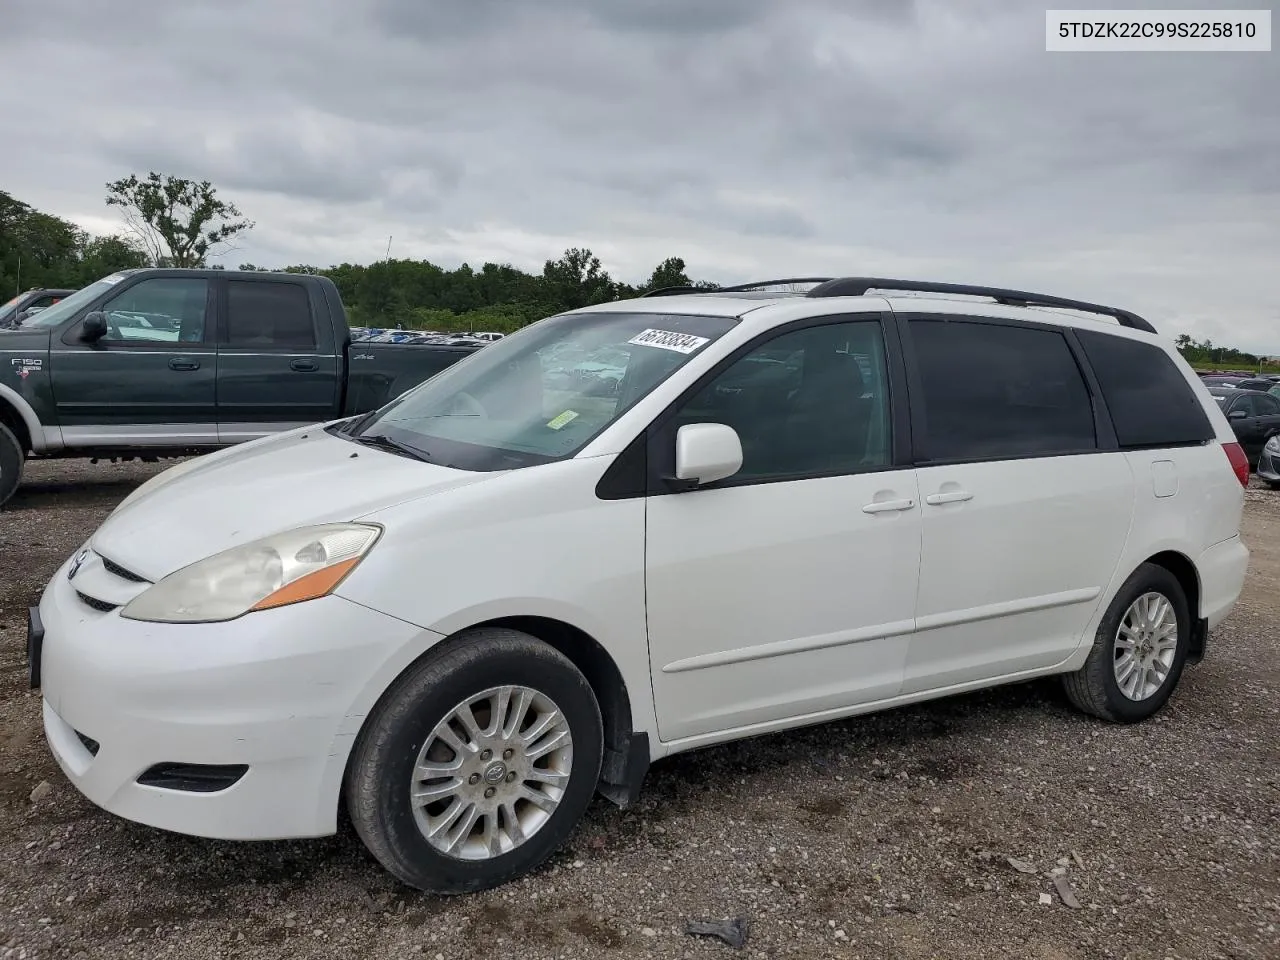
{"x":1150,"y":401}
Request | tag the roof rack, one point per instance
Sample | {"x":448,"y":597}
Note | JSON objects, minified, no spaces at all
{"x":740,"y":288}
{"x":858,"y":286}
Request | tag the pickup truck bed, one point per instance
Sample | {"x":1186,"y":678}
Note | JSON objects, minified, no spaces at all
{"x":165,"y":362}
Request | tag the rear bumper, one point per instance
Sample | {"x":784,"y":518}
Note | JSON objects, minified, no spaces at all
{"x":1222,"y":571}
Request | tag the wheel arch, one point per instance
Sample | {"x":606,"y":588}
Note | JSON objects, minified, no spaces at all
{"x":626,"y":751}
{"x":17,"y":415}
{"x":1184,"y":570}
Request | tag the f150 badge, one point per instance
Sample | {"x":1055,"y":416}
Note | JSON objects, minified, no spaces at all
{"x":26,"y":365}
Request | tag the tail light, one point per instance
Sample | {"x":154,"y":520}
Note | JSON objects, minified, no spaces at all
{"x":1239,"y":462}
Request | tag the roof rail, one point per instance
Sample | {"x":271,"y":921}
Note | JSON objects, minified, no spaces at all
{"x":858,"y":286}
{"x":740,"y":288}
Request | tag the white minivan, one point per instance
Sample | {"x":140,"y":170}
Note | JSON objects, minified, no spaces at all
{"x":462,"y":615}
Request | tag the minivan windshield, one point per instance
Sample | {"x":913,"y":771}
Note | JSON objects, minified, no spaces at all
{"x":541,"y":393}
{"x":68,"y":307}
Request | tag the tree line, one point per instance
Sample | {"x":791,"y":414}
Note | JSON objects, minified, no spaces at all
{"x":172,"y":221}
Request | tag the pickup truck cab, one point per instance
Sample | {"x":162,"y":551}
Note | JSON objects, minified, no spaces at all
{"x":168,"y":362}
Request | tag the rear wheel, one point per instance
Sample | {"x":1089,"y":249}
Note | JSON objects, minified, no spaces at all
{"x":12,"y":457}
{"x":1138,"y":652}
{"x":477,"y":764}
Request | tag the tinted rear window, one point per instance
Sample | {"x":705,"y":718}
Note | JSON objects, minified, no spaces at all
{"x":1151,"y":403}
{"x":994,"y":391}
{"x":269,"y":315}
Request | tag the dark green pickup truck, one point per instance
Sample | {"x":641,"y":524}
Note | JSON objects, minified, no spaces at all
{"x":160,"y":362}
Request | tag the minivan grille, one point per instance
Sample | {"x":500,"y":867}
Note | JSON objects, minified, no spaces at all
{"x":121,"y":572}
{"x":100,"y":605}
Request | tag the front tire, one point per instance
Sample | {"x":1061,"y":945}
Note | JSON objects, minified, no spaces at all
{"x":477,"y":763}
{"x":12,"y":458}
{"x":1138,"y":652}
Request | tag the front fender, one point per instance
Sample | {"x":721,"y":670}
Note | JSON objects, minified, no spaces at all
{"x":44,"y":439}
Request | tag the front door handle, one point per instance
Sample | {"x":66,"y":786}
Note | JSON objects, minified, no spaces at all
{"x":184,"y":363}
{"x":303,"y":366}
{"x":888,"y":506}
{"x":954,"y":496}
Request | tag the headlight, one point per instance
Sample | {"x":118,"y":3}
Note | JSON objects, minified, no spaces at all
{"x":1273,"y":445}
{"x":289,"y":567}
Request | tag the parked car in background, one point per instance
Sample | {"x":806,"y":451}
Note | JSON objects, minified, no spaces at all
{"x":1257,"y":383}
{"x":1254,"y":417}
{"x":1220,"y":381}
{"x":1269,"y":463}
{"x":161,"y":362}
{"x":457,"y":618}
{"x":24,"y":305}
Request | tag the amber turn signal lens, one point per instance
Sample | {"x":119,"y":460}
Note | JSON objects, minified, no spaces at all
{"x":310,"y":587}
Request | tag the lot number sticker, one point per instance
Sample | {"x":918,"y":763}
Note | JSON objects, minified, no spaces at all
{"x":563,"y":419}
{"x":669,"y":340}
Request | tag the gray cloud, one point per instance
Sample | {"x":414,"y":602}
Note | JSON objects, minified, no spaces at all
{"x":751,"y":137}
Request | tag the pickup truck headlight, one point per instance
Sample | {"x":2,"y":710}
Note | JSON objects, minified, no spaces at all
{"x":286,"y":568}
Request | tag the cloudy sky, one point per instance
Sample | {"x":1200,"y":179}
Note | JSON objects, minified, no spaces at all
{"x":755,"y":138}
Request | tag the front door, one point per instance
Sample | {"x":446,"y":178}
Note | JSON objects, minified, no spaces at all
{"x":277,"y":368}
{"x":1024,"y":517}
{"x":151,"y":380}
{"x":786,"y":591}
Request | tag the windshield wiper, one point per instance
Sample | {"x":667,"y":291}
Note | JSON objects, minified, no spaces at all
{"x":381,"y":441}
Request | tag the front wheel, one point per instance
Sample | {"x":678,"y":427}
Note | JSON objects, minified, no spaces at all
{"x":12,"y":458}
{"x":477,"y":764}
{"x":1138,"y":652}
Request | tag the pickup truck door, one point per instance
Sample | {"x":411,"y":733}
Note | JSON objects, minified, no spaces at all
{"x":279,"y":365}
{"x":151,"y":380}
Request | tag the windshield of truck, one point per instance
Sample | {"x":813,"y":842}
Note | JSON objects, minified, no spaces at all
{"x":67,"y":308}
{"x":542,"y":393}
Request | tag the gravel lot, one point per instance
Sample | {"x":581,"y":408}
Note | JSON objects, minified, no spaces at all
{"x":885,"y":836}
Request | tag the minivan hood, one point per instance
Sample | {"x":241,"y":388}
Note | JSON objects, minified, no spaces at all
{"x":244,"y":493}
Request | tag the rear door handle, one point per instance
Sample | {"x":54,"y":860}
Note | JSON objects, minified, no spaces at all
{"x":888,"y":506}
{"x":303,"y":366}
{"x":184,"y":363}
{"x":955,"y":496}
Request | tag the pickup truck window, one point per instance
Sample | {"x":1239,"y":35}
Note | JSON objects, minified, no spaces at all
{"x":542,"y":393}
{"x":65,"y":309}
{"x":160,"y":310}
{"x":269,"y":315}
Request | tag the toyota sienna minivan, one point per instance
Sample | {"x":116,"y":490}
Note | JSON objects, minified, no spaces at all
{"x":462,"y":615}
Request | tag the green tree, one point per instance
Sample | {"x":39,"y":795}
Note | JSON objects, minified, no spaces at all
{"x":178,"y":222}
{"x":576,"y":280}
{"x":669,"y":273}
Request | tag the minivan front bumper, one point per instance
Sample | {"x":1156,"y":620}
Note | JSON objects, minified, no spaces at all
{"x":270,"y":692}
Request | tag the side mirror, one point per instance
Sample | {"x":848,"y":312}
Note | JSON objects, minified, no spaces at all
{"x":94,"y":327}
{"x":1238,"y":415}
{"x":706,"y":452}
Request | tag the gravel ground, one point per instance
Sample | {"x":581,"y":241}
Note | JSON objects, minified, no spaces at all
{"x":885,"y":836}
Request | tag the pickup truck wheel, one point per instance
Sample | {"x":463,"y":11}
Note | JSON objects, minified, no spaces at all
{"x":12,"y":457}
{"x":1138,"y":652}
{"x":476,"y":764}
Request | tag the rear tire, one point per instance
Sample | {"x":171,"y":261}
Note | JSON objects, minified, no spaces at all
{"x":1149,"y":623}
{"x":12,"y":458}
{"x":447,"y":786}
